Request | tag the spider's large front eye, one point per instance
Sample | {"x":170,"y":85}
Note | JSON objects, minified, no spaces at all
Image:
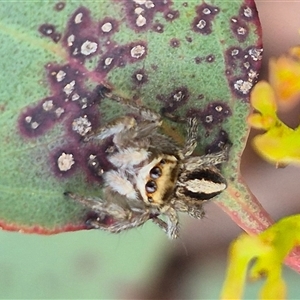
{"x":155,"y":172}
{"x":151,"y":186}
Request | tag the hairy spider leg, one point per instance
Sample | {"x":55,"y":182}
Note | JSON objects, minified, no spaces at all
{"x":191,"y":140}
{"x":207,"y":160}
{"x":111,"y":216}
{"x":145,"y":112}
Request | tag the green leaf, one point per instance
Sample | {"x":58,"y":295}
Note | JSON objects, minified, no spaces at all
{"x":185,"y":58}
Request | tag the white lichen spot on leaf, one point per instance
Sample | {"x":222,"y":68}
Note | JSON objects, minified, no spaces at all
{"x":248,"y":12}
{"x":59,"y":111}
{"x":88,"y":47}
{"x":106,"y":27}
{"x":82,"y":125}
{"x":255,"y":53}
{"x":141,"y":21}
{"x":78,"y":18}
{"x":65,"y":162}
{"x":71,"y":40}
{"x":60,"y":76}
{"x":243,"y":86}
{"x":201,"y":24}
{"x":48,"y":105}
{"x":68,"y":89}
{"x":137,"y":51}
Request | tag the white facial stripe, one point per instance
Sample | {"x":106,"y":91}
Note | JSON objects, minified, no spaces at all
{"x":204,"y":186}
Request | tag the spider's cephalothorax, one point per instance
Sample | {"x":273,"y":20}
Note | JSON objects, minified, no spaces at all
{"x":153,"y":176}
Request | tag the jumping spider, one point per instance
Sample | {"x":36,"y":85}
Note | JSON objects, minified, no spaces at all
{"x":153,"y":176}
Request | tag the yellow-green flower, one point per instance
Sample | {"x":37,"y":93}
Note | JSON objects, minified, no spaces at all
{"x":269,"y":249}
{"x":280,"y":144}
{"x":263,"y":100}
{"x":285,"y":78}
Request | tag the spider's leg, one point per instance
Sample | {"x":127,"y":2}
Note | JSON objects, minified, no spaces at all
{"x":211,"y":159}
{"x":137,"y":137}
{"x":162,"y":224}
{"x":194,"y":209}
{"x":91,"y":202}
{"x":172,"y":221}
{"x":121,"y":124}
{"x":218,"y":157}
{"x":109,"y":216}
{"x":108,"y":223}
{"x":146,"y":113}
{"x":172,"y":117}
{"x":97,"y":204}
{"x":191,"y":139}
{"x":127,"y":130}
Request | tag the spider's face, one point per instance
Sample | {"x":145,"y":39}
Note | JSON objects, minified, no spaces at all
{"x":157,"y":180}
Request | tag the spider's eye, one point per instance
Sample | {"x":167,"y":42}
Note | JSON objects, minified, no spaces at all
{"x":155,"y":173}
{"x":163,"y":161}
{"x":151,"y":186}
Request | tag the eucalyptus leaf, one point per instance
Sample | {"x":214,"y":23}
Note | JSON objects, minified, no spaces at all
{"x":190,"y":58}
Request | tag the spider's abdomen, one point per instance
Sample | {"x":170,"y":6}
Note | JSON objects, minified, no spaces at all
{"x":202,"y":183}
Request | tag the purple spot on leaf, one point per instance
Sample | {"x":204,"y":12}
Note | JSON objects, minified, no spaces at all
{"x":56,"y":37}
{"x":202,"y":23}
{"x":158,"y":27}
{"x":247,"y":62}
{"x":65,"y":81}
{"x":49,"y":31}
{"x":83,"y":123}
{"x":140,"y":15}
{"x":210,"y":58}
{"x":188,"y":39}
{"x":59,"y":6}
{"x":175,"y":43}
{"x":154,"y":67}
{"x":139,"y":77}
{"x":171,"y":15}
{"x":115,"y":56}
{"x":215,"y":113}
{"x":174,"y":100}
{"x":219,"y":143}
{"x":35,"y":121}
{"x":248,"y":12}
{"x":239,"y":28}
{"x":95,"y":161}
{"x":82,"y":35}
{"x":198,"y":60}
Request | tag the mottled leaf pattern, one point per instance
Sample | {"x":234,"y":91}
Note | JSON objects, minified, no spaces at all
{"x":185,"y":58}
